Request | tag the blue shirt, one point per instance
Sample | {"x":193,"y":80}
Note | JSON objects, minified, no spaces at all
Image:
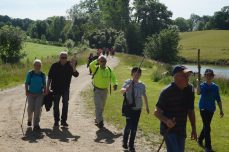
{"x":36,"y":83}
{"x":209,"y":94}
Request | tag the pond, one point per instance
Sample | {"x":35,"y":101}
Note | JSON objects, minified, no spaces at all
{"x":220,"y":71}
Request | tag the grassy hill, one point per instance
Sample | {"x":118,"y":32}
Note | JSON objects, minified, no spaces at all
{"x":214,"y":46}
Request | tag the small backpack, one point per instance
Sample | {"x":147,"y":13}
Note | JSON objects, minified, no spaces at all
{"x":42,"y":75}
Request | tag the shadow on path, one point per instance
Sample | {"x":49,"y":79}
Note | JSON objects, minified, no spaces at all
{"x":32,"y":136}
{"x":62,"y":134}
{"x":106,"y":135}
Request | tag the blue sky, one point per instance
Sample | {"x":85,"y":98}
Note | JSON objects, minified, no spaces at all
{"x":41,"y":9}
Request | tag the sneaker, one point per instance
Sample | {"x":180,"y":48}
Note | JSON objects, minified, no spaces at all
{"x":29,"y":124}
{"x":36,"y":128}
{"x":56,"y":124}
{"x":124,"y":146}
{"x":200,"y":143}
{"x":64,"y":124}
{"x":131,"y":149}
{"x":208,"y":150}
{"x":101,"y":125}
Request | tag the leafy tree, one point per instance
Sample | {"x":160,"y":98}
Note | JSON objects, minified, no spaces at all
{"x":164,"y":46}
{"x":120,"y":43}
{"x":152,"y":16}
{"x":221,"y":19}
{"x":134,"y":39}
{"x":70,"y":45}
{"x":115,"y":13}
{"x":11,"y":43}
{"x":182,"y":24}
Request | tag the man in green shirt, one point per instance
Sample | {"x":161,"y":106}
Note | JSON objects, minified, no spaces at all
{"x":102,"y":77}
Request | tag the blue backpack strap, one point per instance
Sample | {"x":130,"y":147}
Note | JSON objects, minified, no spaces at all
{"x":30,"y":76}
{"x":42,"y":75}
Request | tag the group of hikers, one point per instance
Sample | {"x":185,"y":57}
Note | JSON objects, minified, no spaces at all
{"x":175,"y":103}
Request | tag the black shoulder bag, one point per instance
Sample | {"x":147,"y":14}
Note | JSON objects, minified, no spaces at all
{"x":126,"y":106}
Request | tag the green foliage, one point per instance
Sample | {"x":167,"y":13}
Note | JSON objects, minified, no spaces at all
{"x":115,"y":14}
{"x":152,"y":15}
{"x":164,"y":46}
{"x":120,"y":43}
{"x":11,"y":43}
{"x":134,"y":39}
{"x":107,"y":38}
{"x":69,"y":44}
{"x":182,"y":24}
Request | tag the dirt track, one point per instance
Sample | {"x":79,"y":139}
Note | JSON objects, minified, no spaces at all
{"x":82,"y":135}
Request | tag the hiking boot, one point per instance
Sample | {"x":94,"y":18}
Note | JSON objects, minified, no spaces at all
{"x":64,"y":124}
{"x":29,"y":124}
{"x":56,"y":124}
{"x":36,"y":128}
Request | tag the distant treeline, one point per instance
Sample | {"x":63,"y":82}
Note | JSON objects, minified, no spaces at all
{"x":108,"y":23}
{"x":219,"y":21}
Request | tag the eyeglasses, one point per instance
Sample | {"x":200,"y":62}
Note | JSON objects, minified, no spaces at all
{"x":209,"y":75}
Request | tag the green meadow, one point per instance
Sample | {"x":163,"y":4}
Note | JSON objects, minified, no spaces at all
{"x":35,"y":50}
{"x":12,"y":75}
{"x":213,"y":44}
{"x":149,"y":125}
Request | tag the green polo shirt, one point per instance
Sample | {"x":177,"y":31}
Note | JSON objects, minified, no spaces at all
{"x":103,"y":77}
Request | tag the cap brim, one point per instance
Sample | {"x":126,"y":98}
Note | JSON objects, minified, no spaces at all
{"x":187,"y":71}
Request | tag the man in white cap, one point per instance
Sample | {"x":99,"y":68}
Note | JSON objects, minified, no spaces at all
{"x":102,"y":77}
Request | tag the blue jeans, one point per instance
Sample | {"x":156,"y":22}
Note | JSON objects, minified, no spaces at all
{"x":174,"y":142}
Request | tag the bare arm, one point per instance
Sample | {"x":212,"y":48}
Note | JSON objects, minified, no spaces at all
{"x":221,"y":109}
{"x":26,"y":89}
{"x":48,"y":85}
{"x":146,"y":103}
{"x":192,"y":119}
{"x":159,"y":114}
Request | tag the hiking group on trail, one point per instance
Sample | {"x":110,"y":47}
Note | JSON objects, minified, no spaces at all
{"x":174,"y":106}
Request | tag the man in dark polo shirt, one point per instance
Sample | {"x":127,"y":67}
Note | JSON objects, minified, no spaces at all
{"x":59,"y":76}
{"x":175,"y":103}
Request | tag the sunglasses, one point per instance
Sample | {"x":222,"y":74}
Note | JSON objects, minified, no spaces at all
{"x":64,"y":58}
{"x":103,"y":61}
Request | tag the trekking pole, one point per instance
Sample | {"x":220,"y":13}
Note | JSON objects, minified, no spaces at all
{"x":23,"y":116}
{"x":137,"y":70}
{"x":163,"y":140}
{"x":199,"y":67}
